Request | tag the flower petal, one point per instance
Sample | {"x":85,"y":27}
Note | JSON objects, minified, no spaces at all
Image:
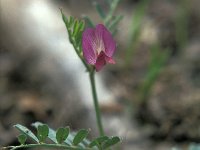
{"x":100,"y":61}
{"x":109,"y":43}
{"x":88,"y":40}
{"x":99,"y":47}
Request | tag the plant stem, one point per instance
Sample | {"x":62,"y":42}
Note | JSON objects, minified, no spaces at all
{"x":96,"y":104}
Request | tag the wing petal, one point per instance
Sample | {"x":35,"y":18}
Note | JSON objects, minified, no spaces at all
{"x":88,"y":41}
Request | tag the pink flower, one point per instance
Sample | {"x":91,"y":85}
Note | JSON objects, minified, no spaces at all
{"x":98,"y":46}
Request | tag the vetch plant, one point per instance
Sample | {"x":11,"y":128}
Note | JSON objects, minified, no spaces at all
{"x":94,"y":42}
{"x":95,"y":47}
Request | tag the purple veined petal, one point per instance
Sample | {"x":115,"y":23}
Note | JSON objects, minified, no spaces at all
{"x":109,"y":43}
{"x":100,"y":61}
{"x":88,"y":41}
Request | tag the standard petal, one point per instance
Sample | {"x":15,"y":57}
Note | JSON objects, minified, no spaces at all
{"x":88,"y":40}
{"x":109,"y":43}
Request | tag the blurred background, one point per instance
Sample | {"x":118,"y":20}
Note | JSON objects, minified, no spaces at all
{"x":150,"y":98}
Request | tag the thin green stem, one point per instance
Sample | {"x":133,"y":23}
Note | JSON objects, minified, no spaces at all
{"x":57,"y":146}
{"x":96,"y":104}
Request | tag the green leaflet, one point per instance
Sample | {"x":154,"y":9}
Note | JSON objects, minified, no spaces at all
{"x":110,"y":142}
{"x":98,"y":141}
{"x":62,"y":134}
{"x":22,"y":138}
{"x":80,"y":136}
{"x":42,"y":132}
